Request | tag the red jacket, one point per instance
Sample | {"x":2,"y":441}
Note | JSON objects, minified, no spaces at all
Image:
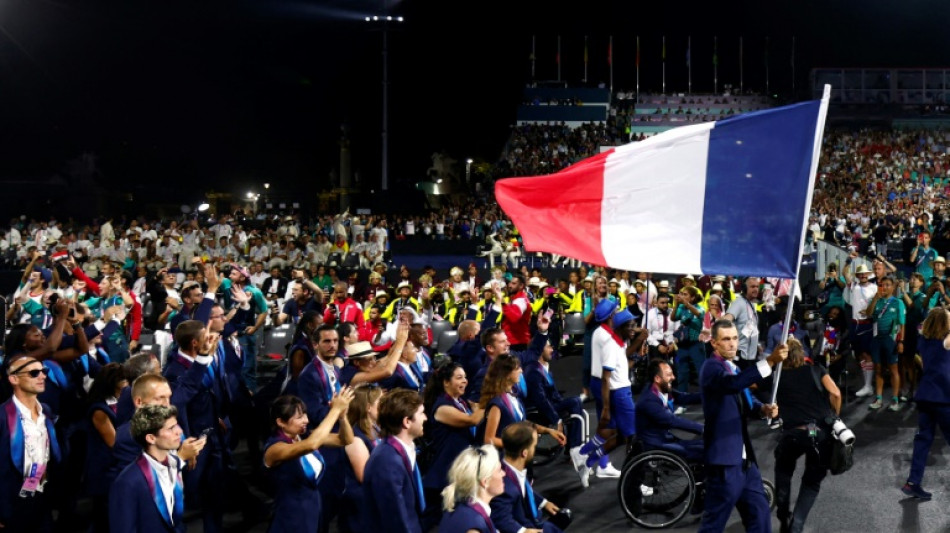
{"x":348,"y":311}
{"x":516,"y":319}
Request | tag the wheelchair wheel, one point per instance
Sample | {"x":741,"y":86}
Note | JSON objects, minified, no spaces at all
{"x":769,"y":492}
{"x":656,"y":489}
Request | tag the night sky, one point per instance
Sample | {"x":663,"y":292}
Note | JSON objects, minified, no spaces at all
{"x":233,"y":93}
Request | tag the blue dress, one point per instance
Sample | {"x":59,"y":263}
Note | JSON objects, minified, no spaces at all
{"x":351,"y":518}
{"x":509,"y":408}
{"x":98,"y":453}
{"x":297,"y":502}
{"x":448,"y":442}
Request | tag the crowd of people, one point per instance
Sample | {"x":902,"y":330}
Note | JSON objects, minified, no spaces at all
{"x":369,"y":427}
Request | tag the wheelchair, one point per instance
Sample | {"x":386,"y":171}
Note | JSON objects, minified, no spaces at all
{"x":657,"y":488}
{"x":548,"y":448}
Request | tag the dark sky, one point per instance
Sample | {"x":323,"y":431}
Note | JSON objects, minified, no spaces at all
{"x":232,"y":93}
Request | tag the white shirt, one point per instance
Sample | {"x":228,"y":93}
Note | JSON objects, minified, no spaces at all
{"x":657,"y":332}
{"x":35,"y":439}
{"x":861,"y":296}
{"x":615,"y":360}
{"x":165,"y":479}
{"x":598,"y":341}
{"x":522,"y":476}
{"x":410,"y":452}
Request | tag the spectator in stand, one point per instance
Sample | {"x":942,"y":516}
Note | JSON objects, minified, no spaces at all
{"x":275,"y":286}
{"x":690,"y":353}
{"x":342,"y":308}
{"x":305,"y":296}
{"x":516,"y":313}
{"x":888,"y":316}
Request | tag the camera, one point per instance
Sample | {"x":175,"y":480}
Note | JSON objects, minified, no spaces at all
{"x":841,"y":432}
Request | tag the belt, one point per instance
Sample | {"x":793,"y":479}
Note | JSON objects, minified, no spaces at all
{"x":865,"y":321}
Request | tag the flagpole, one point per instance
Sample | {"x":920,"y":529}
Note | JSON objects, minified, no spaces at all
{"x":816,"y":154}
{"x":610,"y":62}
{"x":689,"y":63}
{"x":664,"y":64}
{"x":585,"y":59}
{"x":741,"y":87}
{"x":638,"y":69}
{"x":715,"y":65}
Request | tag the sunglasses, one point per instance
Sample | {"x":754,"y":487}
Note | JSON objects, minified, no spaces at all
{"x":478,"y":467}
{"x":35,"y":373}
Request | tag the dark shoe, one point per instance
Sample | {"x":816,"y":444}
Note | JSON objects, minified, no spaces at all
{"x":916,"y":491}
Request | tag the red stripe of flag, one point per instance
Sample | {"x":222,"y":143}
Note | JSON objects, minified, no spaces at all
{"x":561,"y":212}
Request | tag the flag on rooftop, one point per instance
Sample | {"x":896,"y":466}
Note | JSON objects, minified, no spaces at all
{"x":726,"y":197}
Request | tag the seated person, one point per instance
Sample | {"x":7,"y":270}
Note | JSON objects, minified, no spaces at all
{"x":655,"y":416}
{"x":519,"y":508}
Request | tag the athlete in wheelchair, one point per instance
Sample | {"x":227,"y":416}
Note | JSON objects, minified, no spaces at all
{"x":662,"y":478}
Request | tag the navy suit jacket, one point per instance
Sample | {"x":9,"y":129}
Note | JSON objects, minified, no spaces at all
{"x":390,"y":494}
{"x":131,"y":507}
{"x":11,"y":460}
{"x":474,"y":390}
{"x":542,"y":394}
{"x":935,"y":379}
{"x":470,"y":355}
{"x":125,"y":450}
{"x":509,"y":510}
{"x":313,"y":391}
{"x":725,"y":409}
{"x":655,"y":419}
{"x":201,"y":313}
{"x":199,"y":406}
{"x":465,"y":518}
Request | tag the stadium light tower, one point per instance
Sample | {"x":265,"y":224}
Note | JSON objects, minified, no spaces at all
{"x":383,"y":21}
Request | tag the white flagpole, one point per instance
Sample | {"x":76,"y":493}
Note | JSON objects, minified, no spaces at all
{"x":816,"y":154}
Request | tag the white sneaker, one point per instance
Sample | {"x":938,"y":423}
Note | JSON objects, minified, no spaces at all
{"x":865,"y":391}
{"x":646,"y":491}
{"x":607,"y":472}
{"x":679,"y":410}
{"x":584,"y":473}
{"x":579,"y":460}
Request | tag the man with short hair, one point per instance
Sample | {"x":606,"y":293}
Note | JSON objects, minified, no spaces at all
{"x":342,"y":308}
{"x":148,"y":495}
{"x":656,"y":415}
{"x":392,"y":481}
{"x":516,"y":312}
{"x":859,"y":294}
{"x":732,"y":473}
{"x":660,"y":326}
{"x":518,"y":509}
{"x":28,"y":448}
{"x":238,"y":289}
{"x":467,"y":350}
{"x":742,"y":313}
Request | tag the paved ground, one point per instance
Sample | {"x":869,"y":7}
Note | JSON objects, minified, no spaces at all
{"x":866,"y":499}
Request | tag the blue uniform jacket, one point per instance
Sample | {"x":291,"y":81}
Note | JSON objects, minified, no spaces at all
{"x":725,"y":409}
{"x":392,"y":501}
{"x":509,"y":510}
{"x":655,"y":419}
{"x":133,"y":507}
{"x":12,"y":454}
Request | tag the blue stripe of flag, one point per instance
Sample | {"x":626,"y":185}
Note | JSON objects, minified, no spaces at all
{"x":757,"y":186}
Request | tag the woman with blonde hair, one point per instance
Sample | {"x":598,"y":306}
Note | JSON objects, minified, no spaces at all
{"x":474,"y":479}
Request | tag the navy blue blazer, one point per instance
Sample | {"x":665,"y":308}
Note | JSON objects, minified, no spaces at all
{"x":12,"y":454}
{"x":725,"y":409}
{"x":655,"y":419}
{"x":315,"y":390}
{"x":297,"y":502}
{"x":202,"y":313}
{"x":510,"y":510}
{"x":124,"y":452}
{"x":98,"y":453}
{"x":132,"y":505}
{"x":508,"y":417}
{"x":392,"y":500}
{"x":447,"y":441}
{"x":542,"y":391}
{"x":935,"y":379}
{"x":470,"y":355}
{"x":401,"y":380}
{"x":465,"y":518}
{"x":125,"y":407}
{"x":200,"y":403}
{"x":474,"y":390}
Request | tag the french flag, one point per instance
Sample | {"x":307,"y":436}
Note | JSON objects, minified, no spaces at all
{"x":725,"y":197}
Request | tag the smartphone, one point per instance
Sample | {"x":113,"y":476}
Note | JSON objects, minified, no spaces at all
{"x":548,"y":314}
{"x":205,"y":433}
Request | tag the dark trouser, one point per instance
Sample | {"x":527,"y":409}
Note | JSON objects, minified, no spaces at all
{"x":740,"y":487}
{"x":929,"y":416}
{"x":30,"y":515}
{"x":690,"y":357}
{"x":204,"y":488}
{"x":794,"y":444}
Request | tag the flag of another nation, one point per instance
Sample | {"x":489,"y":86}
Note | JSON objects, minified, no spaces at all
{"x":726,"y":197}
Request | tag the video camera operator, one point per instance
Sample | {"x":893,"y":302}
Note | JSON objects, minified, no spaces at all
{"x":810,"y":403}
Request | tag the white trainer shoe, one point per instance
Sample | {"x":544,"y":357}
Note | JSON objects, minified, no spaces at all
{"x":865,"y":391}
{"x":646,"y":491}
{"x":679,"y":410}
{"x":579,"y":460}
{"x":607,"y":472}
{"x":584,"y":473}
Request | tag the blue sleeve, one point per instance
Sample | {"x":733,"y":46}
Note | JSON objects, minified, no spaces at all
{"x":387,"y":493}
{"x":123,"y":505}
{"x":718,"y":380}
{"x":184,"y":388}
{"x":537,"y":397}
{"x":203,"y":313}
